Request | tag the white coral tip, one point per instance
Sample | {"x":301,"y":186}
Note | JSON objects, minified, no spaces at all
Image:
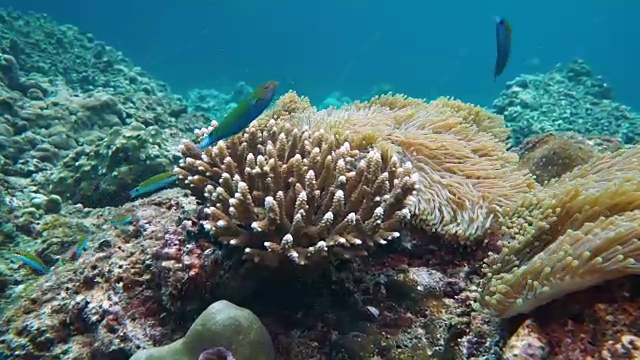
{"x":293,"y":255}
{"x":321,"y":245}
{"x":287,"y":241}
{"x":269,"y":202}
{"x":255,"y":226}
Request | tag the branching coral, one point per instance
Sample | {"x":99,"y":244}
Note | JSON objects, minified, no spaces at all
{"x":577,"y":231}
{"x":281,"y":191}
{"x":466,"y":175}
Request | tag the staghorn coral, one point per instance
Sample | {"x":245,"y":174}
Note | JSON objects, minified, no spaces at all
{"x":576,"y":232}
{"x":279,"y":190}
{"x":466,"y":175}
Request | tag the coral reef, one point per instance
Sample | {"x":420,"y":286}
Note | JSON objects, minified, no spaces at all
{"x":576,"y":232}
{"x":415,"y":195}
{"x":465,"y":173}
{"x":41,"y":46}
{"x":104,"y":304}
{"x":568,"y":98}
{"x":279,"y":191}
{"x":140,"y":285}
{"x":74,"y":108}
{"x":99,"y":175}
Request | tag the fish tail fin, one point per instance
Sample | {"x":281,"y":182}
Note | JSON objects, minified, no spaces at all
{"x":134,"y":192}
{"x":209,"y":140}
{"x":205,"y":143}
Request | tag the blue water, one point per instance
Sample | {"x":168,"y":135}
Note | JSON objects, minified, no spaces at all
{"x":422,"y":48}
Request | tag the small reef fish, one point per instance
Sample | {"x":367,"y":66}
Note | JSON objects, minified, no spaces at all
{"x":242,"y":115}
{"x":237,"y":120}
{"x":32,"y":261}
{"x":503,"y":43}
{"x":80,"y":247}
{"x":154,"y":183}
{"x":121,"y":220}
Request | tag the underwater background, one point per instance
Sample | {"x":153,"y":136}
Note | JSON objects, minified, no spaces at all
{"x":424,"y":49}
{"x":307,"y":181}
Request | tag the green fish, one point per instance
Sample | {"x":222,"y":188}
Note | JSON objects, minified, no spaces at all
{"x":121,"y":220}
{"x":242,"y":115}
{"x":80,"y":247}
{"x":154,"y":183}
{"x":237,"y":120}
{"x":32,"y":261}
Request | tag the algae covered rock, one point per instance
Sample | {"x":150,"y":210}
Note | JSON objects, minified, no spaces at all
{"x":102,"y":173}
{"x":221,"y":324}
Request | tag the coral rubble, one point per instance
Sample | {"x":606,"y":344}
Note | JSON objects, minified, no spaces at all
{"x":567,"y":99}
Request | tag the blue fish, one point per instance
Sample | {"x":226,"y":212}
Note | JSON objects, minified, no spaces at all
{"x":32,"y":261}
{"x":154,"y":183}
{"x":80,"y":247}
{"x":503,"y":42}
{"x":242,"y":115}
